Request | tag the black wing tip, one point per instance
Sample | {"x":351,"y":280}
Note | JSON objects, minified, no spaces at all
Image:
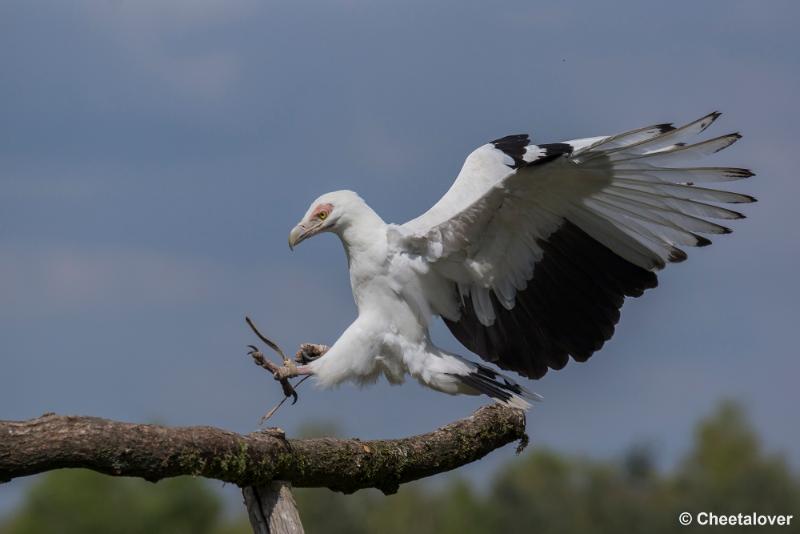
{"x":676,"y":255}
{"x":665,"y":127}
{"x":713,"y":116}
{"x":704,"y":241}
{"x":706,"y":121}
{"x":733,"y":215}
{"x":731,"y":138}
{"x":737,"y":172}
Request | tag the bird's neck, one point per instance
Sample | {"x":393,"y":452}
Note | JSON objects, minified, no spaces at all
{"x":362,"y":233}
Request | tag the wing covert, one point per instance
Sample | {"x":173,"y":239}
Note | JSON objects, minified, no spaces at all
{"x":542,"y":243}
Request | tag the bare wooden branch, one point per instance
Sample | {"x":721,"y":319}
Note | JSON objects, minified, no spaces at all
{"x":154,"y":452}
{"x":271,"y":509}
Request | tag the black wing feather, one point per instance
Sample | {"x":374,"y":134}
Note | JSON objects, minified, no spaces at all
{"x":570,"y":306}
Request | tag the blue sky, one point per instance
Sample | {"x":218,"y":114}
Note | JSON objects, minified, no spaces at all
{"x":155,"y":154}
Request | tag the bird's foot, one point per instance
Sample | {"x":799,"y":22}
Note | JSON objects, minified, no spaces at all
{"x":258,"y":357}
{"x":309,"y":352}
{"x":287,"y":370}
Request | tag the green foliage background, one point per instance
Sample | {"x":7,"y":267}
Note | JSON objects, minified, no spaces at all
{"x":725,"y":472}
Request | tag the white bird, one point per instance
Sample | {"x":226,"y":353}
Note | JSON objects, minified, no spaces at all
{"x":527,"y":258}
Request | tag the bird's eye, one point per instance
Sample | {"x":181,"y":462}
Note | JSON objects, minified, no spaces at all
{"x":322,"y":215}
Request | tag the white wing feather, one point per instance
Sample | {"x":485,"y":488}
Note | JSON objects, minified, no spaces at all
{"x":622,"y":190}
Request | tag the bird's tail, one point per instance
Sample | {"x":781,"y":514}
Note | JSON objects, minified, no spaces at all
{"x":499,"y":387}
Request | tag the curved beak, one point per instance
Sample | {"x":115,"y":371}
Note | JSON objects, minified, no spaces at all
{"x":300,"y":233}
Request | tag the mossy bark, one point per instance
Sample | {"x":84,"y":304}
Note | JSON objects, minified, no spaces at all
{"x":154,"y":452}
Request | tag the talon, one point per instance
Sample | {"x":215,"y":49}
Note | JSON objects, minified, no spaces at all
{"x":309,"y":352}
{"x":252,"y":348}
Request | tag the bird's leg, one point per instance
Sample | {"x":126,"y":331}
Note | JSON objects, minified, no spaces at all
{"x":289,"y":369}
{"x":308,"y":353}
{"x":261,"y":361}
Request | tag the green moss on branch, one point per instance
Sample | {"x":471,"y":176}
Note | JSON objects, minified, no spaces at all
{"x":154,"y":452}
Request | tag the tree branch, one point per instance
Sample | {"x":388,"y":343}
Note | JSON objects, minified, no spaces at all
{"x":154,"y":452}
{"x":271,"y":509}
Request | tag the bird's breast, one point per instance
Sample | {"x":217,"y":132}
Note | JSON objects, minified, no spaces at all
{"x":391,"y":292}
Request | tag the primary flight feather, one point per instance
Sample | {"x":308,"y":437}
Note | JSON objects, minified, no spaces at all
{"x":527,"y":258}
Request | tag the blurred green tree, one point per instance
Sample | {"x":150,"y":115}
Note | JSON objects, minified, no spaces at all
{"x":725,"y":471}
{"x":728,"y":472}
{"x":80,"y":501}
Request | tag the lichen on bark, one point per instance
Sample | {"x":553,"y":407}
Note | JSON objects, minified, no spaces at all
{"x":154,"y":452}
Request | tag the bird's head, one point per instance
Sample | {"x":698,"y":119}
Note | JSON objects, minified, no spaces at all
{"x":329,"y":213}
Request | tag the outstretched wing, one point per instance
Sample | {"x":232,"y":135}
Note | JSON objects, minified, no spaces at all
{"x":542,"y":242}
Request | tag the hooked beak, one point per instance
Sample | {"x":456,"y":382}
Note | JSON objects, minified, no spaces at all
{"x":300,"y":233}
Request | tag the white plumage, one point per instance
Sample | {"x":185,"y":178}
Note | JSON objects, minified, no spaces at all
{"x":528,"y":257}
